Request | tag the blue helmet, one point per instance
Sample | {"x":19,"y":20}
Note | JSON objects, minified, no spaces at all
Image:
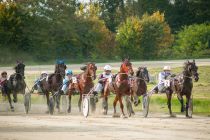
{"x":60,"y":62}
{"x":69,"y":72}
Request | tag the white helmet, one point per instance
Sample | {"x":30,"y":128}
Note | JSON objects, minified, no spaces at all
{"x":166,"y":68}
{"x":107,"y":67}
{"x":43,"y":72}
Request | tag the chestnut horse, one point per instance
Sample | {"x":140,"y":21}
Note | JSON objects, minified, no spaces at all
{"x":183,"y":84}
{"x":53,"y":84}
{"x":84,"y":83}
{"x":120,"y":87}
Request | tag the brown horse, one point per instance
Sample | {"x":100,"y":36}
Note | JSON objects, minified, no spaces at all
{"x":53,"y":84}
{"x":84,"y":83}
{"x":16,"y":84}
{"x":139,"y":84}
{"x":120,"y":87}
{"x":183,"y":84}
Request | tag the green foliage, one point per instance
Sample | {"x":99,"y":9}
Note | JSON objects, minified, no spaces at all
{"x":193,"y":41}
{"x":144,"y":38}
{"x":44,"y":30}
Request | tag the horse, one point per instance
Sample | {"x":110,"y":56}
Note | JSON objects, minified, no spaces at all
{"x":183,"y":84}
{"x":139,"y":84}
{"x":84,"y":84}
{"x":16,"y":84}
{"x":120,"y":87}
{"x":53,"y":83}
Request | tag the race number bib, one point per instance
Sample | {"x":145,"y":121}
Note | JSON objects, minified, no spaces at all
{"x":74,"y":80}
{"x":167,"y":83}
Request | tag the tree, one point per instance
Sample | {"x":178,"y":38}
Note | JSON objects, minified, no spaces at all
{"x":112,"y":12}
{"x":144,"y":38}
{"x":193,"y":41}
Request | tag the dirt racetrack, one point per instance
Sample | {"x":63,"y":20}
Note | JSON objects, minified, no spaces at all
{"x":17,"y":126}
{"x":40,"y":126}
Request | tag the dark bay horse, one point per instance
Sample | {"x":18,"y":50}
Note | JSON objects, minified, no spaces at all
{"x":183,"y":84}
{"x":120,"y":87}
{"x":84,"y":83}
{"x":16,"y":83}
{"x":53,"y":83}
{"x":139,"y":84}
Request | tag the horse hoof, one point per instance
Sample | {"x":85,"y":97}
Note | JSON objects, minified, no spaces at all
{"x":188,"y":116}
{"x":115,"y":115}
{"x":104,"y":112}
{"x":123,"y":116}
{"x":12,"y":109}
{"x":173,"y":115}
{"x":47,"y":112}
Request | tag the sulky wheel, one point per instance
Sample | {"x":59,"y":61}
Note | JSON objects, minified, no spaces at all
{"x":145,"y":105}
{"x":85,"y":106}
{"x":27,"y":102}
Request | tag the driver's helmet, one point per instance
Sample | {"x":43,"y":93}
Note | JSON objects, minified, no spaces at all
{"x":43,"y":72}
{"x":60,"y":62}
{"x":108,"y":67}
{"x":167,"y":68}
{"x":69,"y":72}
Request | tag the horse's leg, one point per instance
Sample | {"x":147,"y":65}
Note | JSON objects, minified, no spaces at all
{"x":181,"y":100}
{"x":114,"y":104}
{"x":14,"y":96}
{"x":48,"y":100}
{"x":121,"y":106}
{"x":105,"y":100}
{"x":80,"y":101}
{"x":169,"y":95}
{"x":58,"y":98}
{"x":69,"y":109}
{"x":10,"y":101}
{"x":187,"y":104}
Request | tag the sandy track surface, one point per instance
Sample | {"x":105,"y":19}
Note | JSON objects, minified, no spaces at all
{"x":38,"y":125}
{"x":76,"y":127}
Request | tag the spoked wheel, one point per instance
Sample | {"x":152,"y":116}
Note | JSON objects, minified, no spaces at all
{"x":27,"y":102}
{"x":92,"y":104}
{"x":129,"y":105}
{"x":145,"y":105}
{"x":51,"y":105}
{"x":190,"y":108}
{"x":85,"y":106}
{"x":64,"y":103}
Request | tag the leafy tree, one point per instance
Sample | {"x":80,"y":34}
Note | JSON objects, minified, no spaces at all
{"x":193,"y":41}
{"x":145,"y":37}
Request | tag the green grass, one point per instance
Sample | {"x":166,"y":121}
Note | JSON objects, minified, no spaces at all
{"x":158,"y":102}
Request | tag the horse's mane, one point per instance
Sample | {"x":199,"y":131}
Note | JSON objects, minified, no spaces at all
{"x":90,"y":63}
{"x":57,"y":67}
{"x":139,"y":70}
{"x":185,"y":67}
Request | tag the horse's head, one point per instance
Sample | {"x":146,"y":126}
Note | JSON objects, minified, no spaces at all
{"x":91,"y":70}
{"x":191,"y":69}
{"x":20,"y":68}
{"x":126,"y":66}
{"x":60,"y":69}
{"x":143,"y":74}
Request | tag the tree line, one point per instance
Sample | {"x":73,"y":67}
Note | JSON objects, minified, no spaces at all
{"x":44,"y":30}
